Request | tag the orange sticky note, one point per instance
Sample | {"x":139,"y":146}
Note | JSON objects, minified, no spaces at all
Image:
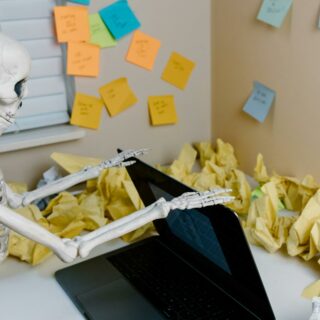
{"x":178,"y":70}
{"x":86,"y":111}
{"x":83,"y":59}
{"x":117,"y":96}
{"x":72,"y":23}
{"x":162,"y":110}
{"x":143,"y":50}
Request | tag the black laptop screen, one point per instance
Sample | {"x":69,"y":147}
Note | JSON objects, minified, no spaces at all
{"x":195,"y":229}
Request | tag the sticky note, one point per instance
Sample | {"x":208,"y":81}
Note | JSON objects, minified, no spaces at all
{"x":100,"y":34}
{"x":162,"y":110}
{"x":117,"y":96}
{"x":143,"y":50}
{"x":273,"y":12}
{"x":260,"y":101}
{"x":72,"y":23}
{"x":178,"y":70}
{"x":85,"y":2}
{"x":119,"y":18}
{"x":86,"y":111}
{"x":83,"y":59}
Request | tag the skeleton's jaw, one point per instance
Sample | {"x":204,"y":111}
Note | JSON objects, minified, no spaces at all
{"x":8,"y":114}
{"x":5,"y":122}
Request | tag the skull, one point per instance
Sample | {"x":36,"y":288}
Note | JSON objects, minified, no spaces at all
{"x":14,"y":70}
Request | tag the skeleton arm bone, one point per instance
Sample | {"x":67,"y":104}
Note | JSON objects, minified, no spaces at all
{"x":157,"y":210}
{"x":16,"y":200}
{"x":111,"y":231}
{"x":119,"y":222}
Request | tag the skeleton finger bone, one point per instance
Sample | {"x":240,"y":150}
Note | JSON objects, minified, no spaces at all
{"x":210,"y":202}
{"x":126,"y":163}
{"x":192,"y":200}
{"x":133,"y":153}
{"x":121,"y":157}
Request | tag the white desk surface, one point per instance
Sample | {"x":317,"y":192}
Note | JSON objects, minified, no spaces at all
{"x":28,"y":292}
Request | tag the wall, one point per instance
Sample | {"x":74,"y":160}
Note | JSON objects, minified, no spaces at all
{"x":181,"y":26}
{"x":288,"y":61}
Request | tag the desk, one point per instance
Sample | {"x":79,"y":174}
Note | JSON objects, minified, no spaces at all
{"x":32,"y":293}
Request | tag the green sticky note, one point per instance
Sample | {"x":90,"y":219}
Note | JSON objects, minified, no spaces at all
{"x":100,"y":34}
{"x":273,"y":12}
{"x":258,"y":193}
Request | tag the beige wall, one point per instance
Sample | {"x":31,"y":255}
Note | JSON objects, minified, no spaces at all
{"x":181,"y":26}
{"x":288,"y":61}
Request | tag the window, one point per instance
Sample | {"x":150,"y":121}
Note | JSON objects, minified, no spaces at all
{"x":50,"y":90}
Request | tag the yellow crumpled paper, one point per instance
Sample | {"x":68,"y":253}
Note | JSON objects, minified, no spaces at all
{"x":219,"y":168}
{"x":107,"y":198}
{"x":262,"y":222}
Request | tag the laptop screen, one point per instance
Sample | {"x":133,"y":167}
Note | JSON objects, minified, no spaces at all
{"x":194,"y":229}
{"x":210,"y":239}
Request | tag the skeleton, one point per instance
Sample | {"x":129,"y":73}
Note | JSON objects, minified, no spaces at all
{"x":14,"y":70}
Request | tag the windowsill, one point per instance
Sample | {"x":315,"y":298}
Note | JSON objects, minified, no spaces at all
{"x":39,"y":137}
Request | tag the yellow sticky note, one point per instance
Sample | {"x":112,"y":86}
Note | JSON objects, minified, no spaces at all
{"x":162,"y":110}
{"x":86,"y":111}
{"x":72,"y":23}
{"x":83,"y":59}
{"x":178,"y":70}
{"x":143,"y":50}
{"x":117,"y":96}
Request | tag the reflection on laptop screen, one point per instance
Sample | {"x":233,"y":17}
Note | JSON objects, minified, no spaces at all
{"x":195,"y":229}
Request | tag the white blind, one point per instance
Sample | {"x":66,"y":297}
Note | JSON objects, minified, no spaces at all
{"x":31,"y":23}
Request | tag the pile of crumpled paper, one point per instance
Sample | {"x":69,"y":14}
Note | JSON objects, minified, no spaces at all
{"x":260,"y":206}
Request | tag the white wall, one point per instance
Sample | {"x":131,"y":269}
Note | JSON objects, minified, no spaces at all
{"x":181,"y":25}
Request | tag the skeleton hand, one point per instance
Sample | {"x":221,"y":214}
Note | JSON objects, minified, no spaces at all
{"x":191,"y":200}
{"x":120,"y":159}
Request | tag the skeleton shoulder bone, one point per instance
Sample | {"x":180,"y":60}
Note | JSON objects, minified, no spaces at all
{"x":14,"y":71}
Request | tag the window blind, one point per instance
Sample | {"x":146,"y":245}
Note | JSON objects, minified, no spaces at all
{"x":31,"y":23}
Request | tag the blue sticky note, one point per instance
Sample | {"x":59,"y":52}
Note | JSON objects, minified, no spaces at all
{"x":119,"y":19}
{"x":85,"y":2}
{"x":273,"y":12}
{"x":260,"y":101}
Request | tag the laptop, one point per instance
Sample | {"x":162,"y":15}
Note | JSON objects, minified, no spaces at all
{"x":198,"y":266}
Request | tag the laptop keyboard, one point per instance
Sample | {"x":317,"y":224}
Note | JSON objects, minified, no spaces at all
{"x":173,"y":286}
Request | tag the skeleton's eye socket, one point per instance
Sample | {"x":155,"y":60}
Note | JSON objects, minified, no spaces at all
{"x":19,"y":87}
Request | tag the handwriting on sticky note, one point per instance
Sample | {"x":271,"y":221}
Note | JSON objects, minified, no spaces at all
{"x":273,"y":12}
{"x":117,"y":96}
{"x":72,"y":23}
{"x":143,"y":50}
{"x":119,"y":18}
{"x":86,"y":111}
{"x":83,"y":59}
{"x":162,"y":110}
{"x":100,"y":34}
{"x":178,"y":70}
{"x":260,"y":101}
